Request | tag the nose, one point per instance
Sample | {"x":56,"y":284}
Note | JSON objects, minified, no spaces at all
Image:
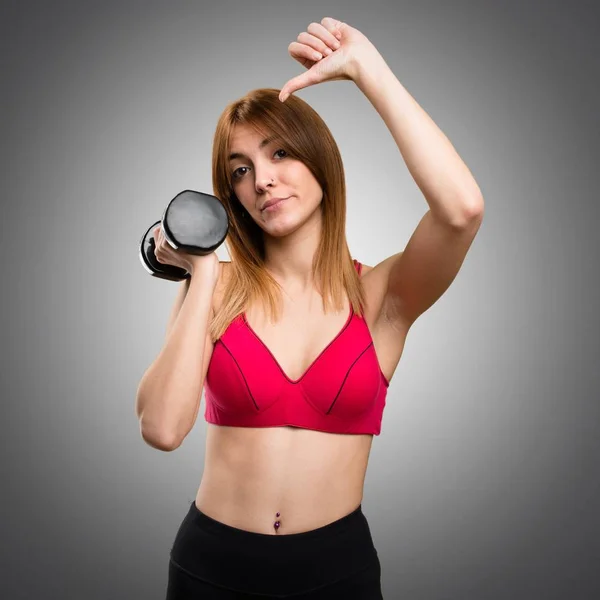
{"x":264,"y":179}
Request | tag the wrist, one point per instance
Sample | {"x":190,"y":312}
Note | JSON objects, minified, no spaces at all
{"x":369,"y":69}
{"x":205,"y":268}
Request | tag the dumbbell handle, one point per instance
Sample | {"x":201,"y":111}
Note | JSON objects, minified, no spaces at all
{"x":194,"y":222}
{"x":150,"y":262}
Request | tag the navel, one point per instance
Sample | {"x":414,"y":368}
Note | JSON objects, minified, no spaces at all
{"x":277,"y":523}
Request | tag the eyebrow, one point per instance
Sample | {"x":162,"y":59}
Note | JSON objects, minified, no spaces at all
{"x":266,"y":141}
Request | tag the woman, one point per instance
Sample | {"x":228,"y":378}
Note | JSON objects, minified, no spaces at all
{"x":293,"y":401}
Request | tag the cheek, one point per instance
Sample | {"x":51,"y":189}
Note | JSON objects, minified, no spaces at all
{"x":306,"y":180}
{"x":314,"y":190}
{"x":240,"y":191}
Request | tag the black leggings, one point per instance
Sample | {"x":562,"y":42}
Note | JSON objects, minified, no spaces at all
{"x":211,"y":560}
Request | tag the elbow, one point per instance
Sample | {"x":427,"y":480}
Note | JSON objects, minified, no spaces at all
{"x":471,"y":214}
{"x":157,"y":439}
{"x":475,"y":208}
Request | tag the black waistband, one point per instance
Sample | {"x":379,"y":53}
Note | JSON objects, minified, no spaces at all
{"x":272,"y":564}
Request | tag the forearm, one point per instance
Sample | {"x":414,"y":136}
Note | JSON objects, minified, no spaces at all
{"x":444,"y":179}
{"x":168,"y":395}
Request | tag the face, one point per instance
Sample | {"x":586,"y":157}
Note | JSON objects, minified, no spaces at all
{"x":266,"y":171}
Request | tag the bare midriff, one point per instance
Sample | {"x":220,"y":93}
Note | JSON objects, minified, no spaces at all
{"x":281,"y":480}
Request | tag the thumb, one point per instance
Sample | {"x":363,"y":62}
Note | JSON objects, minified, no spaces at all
{"x":297,"y":83}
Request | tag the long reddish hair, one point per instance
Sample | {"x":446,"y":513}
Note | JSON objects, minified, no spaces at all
{"x":304,"y":136}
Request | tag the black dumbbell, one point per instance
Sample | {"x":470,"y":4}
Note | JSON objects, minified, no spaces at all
{"x":193,"y":221}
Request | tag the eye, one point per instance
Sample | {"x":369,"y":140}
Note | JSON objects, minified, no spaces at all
{"x":235,"y":174}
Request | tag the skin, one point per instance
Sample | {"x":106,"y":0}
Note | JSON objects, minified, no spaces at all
{"x":291,"y":230}
{"x":303,"y":478}
{"x":310,"y":478}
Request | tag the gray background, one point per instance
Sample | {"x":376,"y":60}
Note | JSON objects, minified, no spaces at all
{"x":485,"y":480}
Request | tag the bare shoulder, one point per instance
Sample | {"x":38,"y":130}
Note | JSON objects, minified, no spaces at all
{"x":364,"y":270}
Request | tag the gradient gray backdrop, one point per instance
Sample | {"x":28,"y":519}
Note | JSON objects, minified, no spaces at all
{"x":484,"y":483}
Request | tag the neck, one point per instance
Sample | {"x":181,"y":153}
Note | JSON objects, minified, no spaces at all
{"x":289,"y":258}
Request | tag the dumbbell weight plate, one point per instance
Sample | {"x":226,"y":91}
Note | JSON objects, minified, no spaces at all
{"x":195,"y":223}
{"x":149,"y":262}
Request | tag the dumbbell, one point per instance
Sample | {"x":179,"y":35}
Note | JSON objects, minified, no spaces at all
{"x":193,"y":221}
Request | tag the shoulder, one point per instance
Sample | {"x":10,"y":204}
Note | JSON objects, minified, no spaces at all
{"x":379,"y":274}
{"x":364,"y":269}
{"x":371,"y":301}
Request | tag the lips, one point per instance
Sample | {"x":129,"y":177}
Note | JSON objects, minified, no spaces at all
{"x":271,"y":202}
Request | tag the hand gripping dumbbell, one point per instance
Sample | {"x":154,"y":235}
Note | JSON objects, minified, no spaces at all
{"x":193,"y":221}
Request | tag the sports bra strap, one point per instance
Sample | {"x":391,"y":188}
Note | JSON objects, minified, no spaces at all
{"x":358,"y":266}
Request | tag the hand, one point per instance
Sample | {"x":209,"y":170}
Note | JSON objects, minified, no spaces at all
{"x":166,"y":254}
{"x":342,"y":48}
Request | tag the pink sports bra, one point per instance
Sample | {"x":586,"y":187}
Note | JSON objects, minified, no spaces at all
{"x":342,"y":391}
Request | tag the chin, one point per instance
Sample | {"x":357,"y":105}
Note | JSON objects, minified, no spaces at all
{"x":281,"y":229}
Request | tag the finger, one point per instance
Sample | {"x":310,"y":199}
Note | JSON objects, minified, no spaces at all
{"x":298,"y":50}
{"x":332,"y":25}
{"x":316,"y":43}
{"x":320,"y":31}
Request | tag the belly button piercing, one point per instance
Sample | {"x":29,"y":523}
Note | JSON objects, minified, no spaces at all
{"x":277,"y":524}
